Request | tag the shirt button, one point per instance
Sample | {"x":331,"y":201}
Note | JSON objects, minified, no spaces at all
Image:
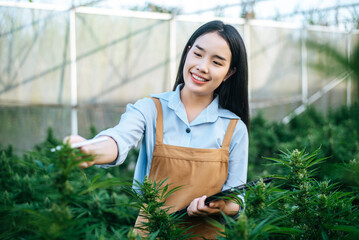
{"x":188,"y":130}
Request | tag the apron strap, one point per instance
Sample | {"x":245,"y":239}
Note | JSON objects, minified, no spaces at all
{"x":159,"y":126}
{"x":159,"y":123}
{"x":229,"y":133}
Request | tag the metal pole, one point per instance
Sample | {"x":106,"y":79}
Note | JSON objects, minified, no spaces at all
{"x":247,"y":42}
{"x":172,"y":52}
{"x":349,"y":81}
{"x":304,"y":63}
{"x":73,"y":71}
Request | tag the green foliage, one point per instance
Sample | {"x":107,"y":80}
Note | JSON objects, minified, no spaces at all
{"x":337,"y":136}
{"x":253,"y":228}
{"x":45,"y":195}
{"x":297,"y":205}
{"x":158,"y":223}
{"x":48,"y":196}
{"x":264,"y":139}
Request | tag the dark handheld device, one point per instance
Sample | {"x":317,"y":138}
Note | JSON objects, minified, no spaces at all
{"x":227,"y":192}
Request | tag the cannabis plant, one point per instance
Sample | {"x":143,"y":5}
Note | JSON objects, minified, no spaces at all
{"x":259,"y":219}
{"x":47,"y":196}
{"x":246,"y":228}
{"x":158,"y":223}
{"x":337,"y":135}
{"x":317,"y":208}
{"x":295,"y":205}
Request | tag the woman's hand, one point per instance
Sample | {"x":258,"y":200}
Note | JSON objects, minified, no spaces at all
{"x":76,"y":139}
{"x":103,"y":152}
{"x":198,"y":208}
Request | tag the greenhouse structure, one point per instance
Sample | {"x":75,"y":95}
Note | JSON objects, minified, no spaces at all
{"x":73,"y":68}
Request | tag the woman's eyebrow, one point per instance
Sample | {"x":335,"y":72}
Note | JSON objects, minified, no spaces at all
{"x":217,"y":56}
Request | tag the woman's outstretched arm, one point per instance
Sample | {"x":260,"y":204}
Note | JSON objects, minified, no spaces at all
{"x":103,"y":152}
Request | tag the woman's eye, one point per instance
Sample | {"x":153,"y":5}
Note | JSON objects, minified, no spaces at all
{"x":197,"y":54}
{"x":217,"y":63}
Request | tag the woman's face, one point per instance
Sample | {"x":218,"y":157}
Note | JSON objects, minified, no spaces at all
{"x":207,"y":65}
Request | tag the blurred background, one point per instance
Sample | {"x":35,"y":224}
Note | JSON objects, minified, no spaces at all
{"x":74,"y":65}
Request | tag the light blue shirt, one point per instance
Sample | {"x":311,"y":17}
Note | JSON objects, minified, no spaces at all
{"x":206,"y":131}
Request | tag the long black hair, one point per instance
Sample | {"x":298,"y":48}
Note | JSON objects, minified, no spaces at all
{"x":233,"y":93}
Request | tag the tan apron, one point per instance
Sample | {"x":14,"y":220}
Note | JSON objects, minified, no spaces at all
{"x":199,"y":172}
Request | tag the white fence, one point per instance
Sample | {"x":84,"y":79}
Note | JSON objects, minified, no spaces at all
{"x":61,"y":58}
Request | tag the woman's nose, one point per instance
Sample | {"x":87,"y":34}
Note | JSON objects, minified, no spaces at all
{"x":202,"y":66}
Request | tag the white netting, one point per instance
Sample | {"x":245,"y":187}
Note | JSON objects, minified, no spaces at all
{"x":34,"y":56}
{"x":120,"y":59}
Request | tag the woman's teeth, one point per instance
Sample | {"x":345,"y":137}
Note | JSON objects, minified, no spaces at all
{"x":198,"y":78}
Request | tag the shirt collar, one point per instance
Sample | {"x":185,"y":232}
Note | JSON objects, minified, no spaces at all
{"x":208,"y":115}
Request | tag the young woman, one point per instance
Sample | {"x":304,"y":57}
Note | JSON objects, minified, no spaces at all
{"x":196,"y":136}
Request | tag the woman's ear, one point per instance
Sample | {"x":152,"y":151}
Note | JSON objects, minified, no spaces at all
{"x":230,"y":73}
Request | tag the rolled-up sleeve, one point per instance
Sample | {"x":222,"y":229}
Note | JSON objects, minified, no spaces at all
{"x":129,"y":131}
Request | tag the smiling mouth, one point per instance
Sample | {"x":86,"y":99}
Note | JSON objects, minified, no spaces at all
{"x":199,"y":79}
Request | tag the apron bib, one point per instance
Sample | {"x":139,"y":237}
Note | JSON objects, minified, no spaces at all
{"x":198,"y":171}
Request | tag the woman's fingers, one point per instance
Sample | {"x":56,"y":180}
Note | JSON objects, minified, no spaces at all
{"x":198,"y":207}
{"x":76,"y":139}
{"x":73,"y":139}
{"x":84,"y":165}
{"x":192,"y":209}
{"x":219,"y":204}
{"x":201,"y":206}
